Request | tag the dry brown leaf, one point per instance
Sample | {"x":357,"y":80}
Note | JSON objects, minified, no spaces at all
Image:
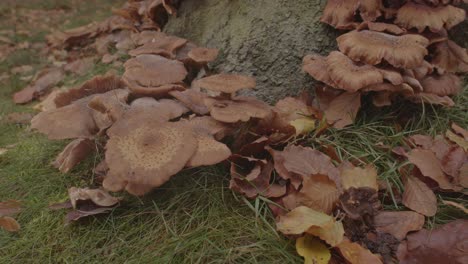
{"x":356,"y":254}
{"x":418,"y":197}
{"x":97,"y":196}
{"x":359,"y":177}
{"x":74,"y":153}
{"x":301,"y":219}
{"x":85,"y":211}
{"x":398,"y":224}
{"x":460,"y":130}
{"x":457,"y":139}
{"x":319,"y":193}
{"x":343,"y":109}
{"x":446,"y":244}
{"x":333,"y":235}
{"x":9,"y":224}
{"x":10,"y":207}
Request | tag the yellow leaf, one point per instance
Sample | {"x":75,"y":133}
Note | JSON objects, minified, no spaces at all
{"x":301,"y":219}
{"x":457,"y":139}
{"x":313,"y":250}
{"x":303,"y":125}
{"x":9,"y":224}
{"x":359,"y":177}
{"x":333,"y":235}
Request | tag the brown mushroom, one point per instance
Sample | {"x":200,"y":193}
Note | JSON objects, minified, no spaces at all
{"x":316,"y":66}
{"x":418,"y":16}
{"x":371,"y":47}
{"x":203,"y":55}
{"x":381,"y":27}
{"x":210,"y":126}
{"x":209,"y":151}
{"x":239,"y":109}
{"x":153,"y":75}
{"x":193,"y":99}
{"x":447,"y":84}
{"x":225,"y":83}
{"x":75,"y":152}
{"x":165,"y":46}
{"x":351,"y":76}
{"x":163,"y":110}
{"x":146,"y":153}
{"x":108,"y":107}
{"x":450,"y":57}
{"x":340,"y":13}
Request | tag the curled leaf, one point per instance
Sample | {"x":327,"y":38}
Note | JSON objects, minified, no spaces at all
{"x":313,"y":251}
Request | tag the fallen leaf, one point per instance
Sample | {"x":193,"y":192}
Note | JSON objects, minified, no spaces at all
{"x":9,"y":208}
{"x":303,"y":125}
{"x":418,"y":197}
{"x":86,"y":211}
{"x":457,"y":139}
{"x":343,"y":109}
{"x":300,"y":219}
{"x":453,"y":161}
{"x":459,"y":130}
{"x":46,"y":80}
{"x":97,"y":196}
{"x":446,"y":244}
{"x":356,"y":254}
{"x":333,"y":235}
{"x":313,"y":251}
{"x":319,"y":193}
{"x":64,"y":205}
{"x":359,"y":177}
{"x":9,"y":224}
{"x":75,"y":152}
{"x":398,"y":224}
{"x":429,"y":165}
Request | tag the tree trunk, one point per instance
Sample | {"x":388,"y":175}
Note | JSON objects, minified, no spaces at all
{"x":263,"y":38}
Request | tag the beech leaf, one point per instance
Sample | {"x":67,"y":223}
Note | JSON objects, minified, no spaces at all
{"x":418,"y":197}
{"x":313,"y":251}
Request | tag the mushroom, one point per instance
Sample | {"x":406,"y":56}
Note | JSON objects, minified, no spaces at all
{"x":146,"y":153}
{"x":209,"y":151}
{"x":45,"y":80}
{"x":381,"y":27}
{"x":419,"y":16}
{"x":238,"y":109}
{"x":340,"y":13}
{"x":163,"y":110}
{"x":210,"y":126}
{"x":351,"y":76}
{"x":450,"y":57}
{"x":109,"y":107}
{"x":371,"y":47}
{"x":193,"y":99}
{"x":75,"y":152}
{"x":447,"y":84}
{"x":97,"y":85}
{"x":203,"y":55}
{"x":153,"y":75}
{"x":225,"y":83}
{"x":316,"y":66}
{"x":165,"y":46}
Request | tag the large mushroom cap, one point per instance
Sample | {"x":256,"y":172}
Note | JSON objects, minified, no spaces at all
{"x":371,"y":47}
{"x":450,"y":57}
{"x":164,"y":46}
{"x":340,"y":13}
{"x":203,"y":55}
{"x":316,"y":66}
{"x":210,"y":126}
{"x":193,"y":99}
{"x":209,"y":151}
{"x":447,"y":84}
{"x":351,"y":76}
{"x":226,"y":83}
{"x":148,"y":153}
{"x":420,"y":16}
{"x":151,"y":71}
{"x":239,"y":109}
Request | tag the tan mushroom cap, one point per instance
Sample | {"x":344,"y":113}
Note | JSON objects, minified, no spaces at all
{"x":148,"y":154}
{"x":209,"y":151}
{"x":340,"y":13}
{"x":370,"y":10}
{"x":108,"y":107}
{"x":316,"y":66}
{"x":156,"y":92}
{"x":165,"y":46}
{"x":97,"y":85}
{"x":418,"y":16}
{"x":210,"y":126}
{"x":193,"y":99}
{"x":450,"y":57}
{"x":447,"y":84}
{"x":226,"y":83}
{"x":151,"y":109}
{"x":371,"y":47}
{"x":239,"y":109}
{"x":350,"y":76}
{"x":153,"y":71}
{"x":381,"y":27}
{"x":203,"y":55}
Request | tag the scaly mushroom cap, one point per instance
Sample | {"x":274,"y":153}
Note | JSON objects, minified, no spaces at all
{"x":153,"y":71}
{"x":447,"y":84}
{"x":203,"y":55}
{"x":238,"y":109}
{"x":405,"y":51}
{"x":418,"y":16}
{"x":340,"y":13}
{"x":316,"y":66}
{"x":147,"y":154}
{"x":97,"y":85}
{"x":450,"y":57}
{"x":164,"y":109}
{"x":165,"y":46}
{"x":193,"y":99}
{"x":209,"y":151}
{"x":226,"y":83}
{"x":350,"y":76}
{"x":208,"y":125}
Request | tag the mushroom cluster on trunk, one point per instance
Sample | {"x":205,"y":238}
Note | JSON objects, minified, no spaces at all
{"x":393,"y":49}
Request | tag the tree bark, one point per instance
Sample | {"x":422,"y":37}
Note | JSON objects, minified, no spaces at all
{"x":263,"y":38}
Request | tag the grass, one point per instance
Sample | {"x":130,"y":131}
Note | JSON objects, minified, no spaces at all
{"x":194,"y":218}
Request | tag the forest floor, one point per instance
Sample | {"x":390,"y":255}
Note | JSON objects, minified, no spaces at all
{"x":195,"y":217}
